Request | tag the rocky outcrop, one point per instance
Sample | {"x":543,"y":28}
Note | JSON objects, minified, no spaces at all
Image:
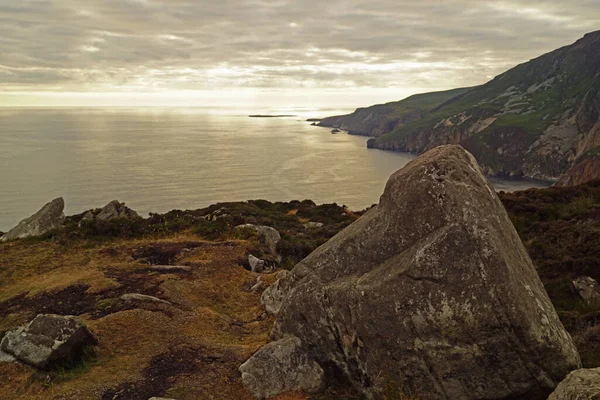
{"x":48,"y":341}
{"x":588,"y":289}
{"x":115,"y":209}
{"x":49,"y":217}
{"x":583,"y":171}
{"x":281,"y":366}
{"x":583,"y":384}
{"x":112,"y":211}
{"x":431,"y":289}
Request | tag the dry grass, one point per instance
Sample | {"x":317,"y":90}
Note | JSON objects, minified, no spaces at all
{"x":214,"y":316}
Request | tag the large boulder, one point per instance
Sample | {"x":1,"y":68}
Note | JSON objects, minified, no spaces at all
{"x":48,"y":341}
{"x":583,"y":384}
{"x":432,"y":291}
{"x":49,"y":217}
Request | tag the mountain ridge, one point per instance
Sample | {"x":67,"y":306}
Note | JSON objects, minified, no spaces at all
{"x":535,"y":120}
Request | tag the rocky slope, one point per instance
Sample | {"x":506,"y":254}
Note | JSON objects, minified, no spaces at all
{"x":383,"y":118}
{"x":585,"y":169}
{"x":534,"y":120}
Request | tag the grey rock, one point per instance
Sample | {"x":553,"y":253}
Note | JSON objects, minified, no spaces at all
{"x":142,"y":298}
{"x":114,"y":210}
{"x":588,"y":289}
{"x":281,"y":366}
{"x":87,"y":217}
{"x":272,"y":297}
{"x":257,"y":286}
{"x":583,"y":384}
{"x":268,"y":235}
{"x":48,"y":341}
{"x":256,"y":264}
{"x":171,"y":268}
{"x":313,"y":225}
{"x":432,"y":288}
{"x":6,"y":358}
{"x":49,"y":217}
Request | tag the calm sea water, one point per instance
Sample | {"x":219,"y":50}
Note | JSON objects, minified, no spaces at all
{"x":157,"y":159}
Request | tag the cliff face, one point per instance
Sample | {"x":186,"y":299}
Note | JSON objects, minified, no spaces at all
{"x":380,"y":119}
{"x":534,"y":120}
{"x":585,"y":170}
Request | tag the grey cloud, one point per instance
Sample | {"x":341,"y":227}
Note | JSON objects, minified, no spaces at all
{"x":187,"y":44}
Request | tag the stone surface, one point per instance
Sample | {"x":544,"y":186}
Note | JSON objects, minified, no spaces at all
{"x":6,"y":358}
{"x":87,"y":217}
{"x":49,"y":217}
{"x":583,"y":384}
{"x":171,"y":268}
{"x":48,"y":341}
{"x":313,"y":225}
{"x":256,"y":264}
{"x":281,"y":366}
{"x":114,"y":210}
{"x":142,"y":298}
{"x":160,"y":398}
{"x":272,"y":297}
{"x":588,"y":289}
{"x":268,"y":235}
{"x":432,"y":288}
{"x":585,"y":170}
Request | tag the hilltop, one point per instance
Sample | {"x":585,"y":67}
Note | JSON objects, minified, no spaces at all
{"x":536,"y":120}
{"x":192,"y":348}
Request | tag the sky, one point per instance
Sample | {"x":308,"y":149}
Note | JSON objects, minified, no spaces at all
{"x":269,"y":52}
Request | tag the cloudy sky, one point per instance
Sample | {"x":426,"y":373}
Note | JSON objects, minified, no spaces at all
{"x":213,"y":52}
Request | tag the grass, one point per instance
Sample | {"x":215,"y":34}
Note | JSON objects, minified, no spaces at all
{"x":85,"y":271}
{"x":560,"y":228}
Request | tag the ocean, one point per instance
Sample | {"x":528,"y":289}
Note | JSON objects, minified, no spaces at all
{"x":159,"y":159}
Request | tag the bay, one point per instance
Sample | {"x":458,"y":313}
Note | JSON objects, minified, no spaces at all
{"x":159,"y":159}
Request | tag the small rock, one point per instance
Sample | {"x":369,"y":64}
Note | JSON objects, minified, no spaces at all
{"x":88,"y":216}
{"x":48,"y":341}
{"x":49,"y":217}
{"x":257,"y":286}
{"x":268,"y":235}
{"x":582,"y":384}
{"x":142,"y":298}
{"x":587,"y":288}
{"x":256,"y":264}
{"x":272,"y":297}
{"x":279,"y":367}
{"x":171,"y":268}
{"x":6,"y":358}
{"x":313,"y":225}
